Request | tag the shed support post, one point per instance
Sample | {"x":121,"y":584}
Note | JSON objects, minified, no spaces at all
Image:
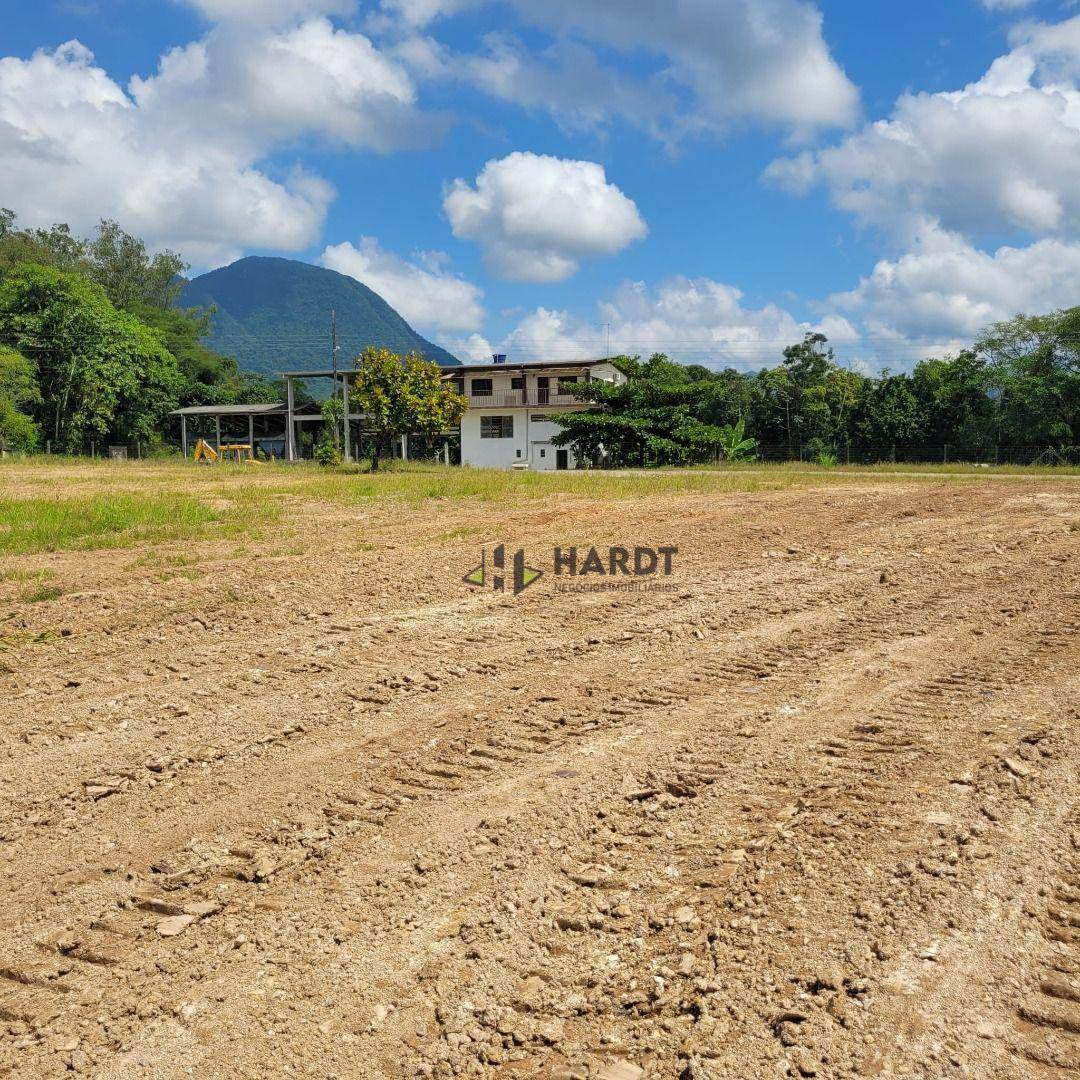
{"x":290,"y":432}
{"x":346,"y":450}
{"x":251,"y":432}
{"x":183,"y":435}
{"x":217,"y":428}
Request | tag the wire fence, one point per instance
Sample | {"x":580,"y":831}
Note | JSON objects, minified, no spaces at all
{"x":944,"y":454}
{"x":420,"y":449}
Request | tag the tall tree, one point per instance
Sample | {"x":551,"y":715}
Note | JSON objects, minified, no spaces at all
{"x":955,"y":401}
{"x":889,"y":413}
{"x":816,"y":395}
{"x":55,"y":246}
{"x":102,"y":373}
{"x":1033,"y":364}
{"x":19,"y":394}
{"x":660,"y":415}
{"x":402,"y":396}
{"x":130,"y":276}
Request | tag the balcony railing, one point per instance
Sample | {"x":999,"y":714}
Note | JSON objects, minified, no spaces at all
{"x":503,"y":399}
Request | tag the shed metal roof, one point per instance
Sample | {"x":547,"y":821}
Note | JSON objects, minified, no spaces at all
{"x":230,"y":410}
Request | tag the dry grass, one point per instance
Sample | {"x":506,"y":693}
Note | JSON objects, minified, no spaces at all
{"x":57,"y":504}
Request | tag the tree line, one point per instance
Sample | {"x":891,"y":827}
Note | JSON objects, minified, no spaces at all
{"x":95,"y":348}
{"x":1017,"y":386}
{"x":93,"y":345}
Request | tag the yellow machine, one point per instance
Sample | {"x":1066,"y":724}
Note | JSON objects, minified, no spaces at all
{"x":240,"y":452}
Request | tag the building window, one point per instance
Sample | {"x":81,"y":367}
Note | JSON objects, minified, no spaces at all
{"x":539,"y":417}
{"x":566,"y":381}
{"x":481,"y":387}
{"x":517,"y":383}
{"x":496,"y":427}
{"x":519,"y":453}
{"x":543,"y":452}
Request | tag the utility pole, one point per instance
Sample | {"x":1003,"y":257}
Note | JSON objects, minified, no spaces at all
{"x":334,"y":346}
{"x":344,"y":393}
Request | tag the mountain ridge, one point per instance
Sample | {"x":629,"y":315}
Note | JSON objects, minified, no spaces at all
{"x":273,"y":314}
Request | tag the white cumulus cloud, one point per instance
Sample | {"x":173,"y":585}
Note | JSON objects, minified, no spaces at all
{"x":1005,"y":5}
{"x":180,"y":156}
{"x":425,"y":292}
{"x":268,"y":12}
{"x":537,"y":217}
{"x":695,"y":320}
{"x":713,"y":61}
{"x":946,"y":289}
{"x":1003,"y":153}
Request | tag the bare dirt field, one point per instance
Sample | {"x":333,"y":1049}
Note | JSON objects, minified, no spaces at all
{"x":296,"y":801}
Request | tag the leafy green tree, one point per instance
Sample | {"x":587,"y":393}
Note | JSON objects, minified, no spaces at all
{"x":732,"y":396}
{"x":55,"y":246}
{"x":660,"y":415}
{"x":130,"y":276}
{"x":101,"y":372}
{"x":777,"y":409}
{"x":117,"y":261}
{"x":954,"y":400}
{"x":1033,"y":365}
{"x":889,"y":412}
{"x":402,"y":396}
{"x":209,"y":379}
{"x":816,"y":395}
{"x":18,"y":395}
{"x":145,"y":286}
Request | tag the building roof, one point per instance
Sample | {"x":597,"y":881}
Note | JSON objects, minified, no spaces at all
{"x":229,"y":410}
{"x":530,"y":364}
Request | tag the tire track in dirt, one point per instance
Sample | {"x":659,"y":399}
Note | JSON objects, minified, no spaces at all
{"x":931,"y":692}
{"x":304,"y":830}
{"x":741,"y":864}
{"x":178,"y":872}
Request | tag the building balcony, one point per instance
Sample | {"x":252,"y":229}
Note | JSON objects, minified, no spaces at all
{"x":509,"y":399}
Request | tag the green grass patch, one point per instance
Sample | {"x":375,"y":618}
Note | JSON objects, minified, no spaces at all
{"x":491,"y":485}
{"x":463,"y":532}
{"x":122,"y":520}
{"x":127,"y":505}
{"x":902,"y":469}
{"x":434,"y":483}
{"x":26,"y":575}
{"x":42,"y":594}
{"x":21,"y":639}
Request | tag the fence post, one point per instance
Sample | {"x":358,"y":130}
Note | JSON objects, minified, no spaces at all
{"x":945,"y":454}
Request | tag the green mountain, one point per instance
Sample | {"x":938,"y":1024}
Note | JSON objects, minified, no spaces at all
{"x":274,"y":315}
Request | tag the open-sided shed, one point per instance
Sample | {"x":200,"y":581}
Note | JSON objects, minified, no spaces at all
{"x":230,"y":413}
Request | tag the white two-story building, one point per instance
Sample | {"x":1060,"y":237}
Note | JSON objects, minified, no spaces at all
{"x":508,"y":423}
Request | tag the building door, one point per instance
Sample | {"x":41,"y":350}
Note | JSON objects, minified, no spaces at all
{"x":542,"y":384}
{"x":562,"y":459}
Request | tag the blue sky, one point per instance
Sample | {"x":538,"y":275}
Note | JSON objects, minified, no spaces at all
{"x":707,"y":177}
